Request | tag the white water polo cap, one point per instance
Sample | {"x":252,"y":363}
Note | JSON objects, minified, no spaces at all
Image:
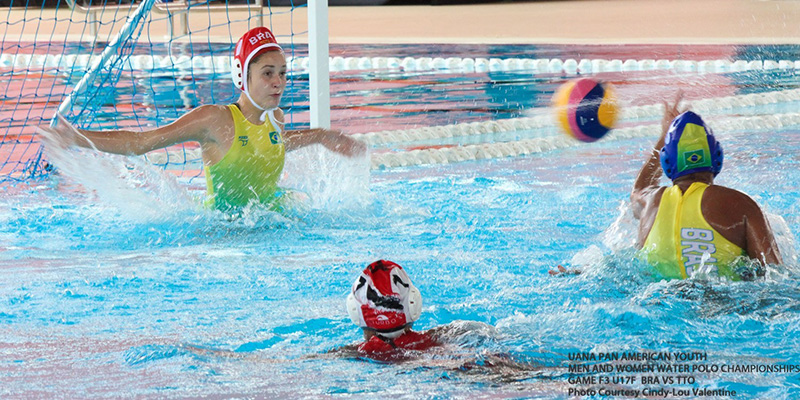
{"x":384,"y":299}
{"x":251,"y":44}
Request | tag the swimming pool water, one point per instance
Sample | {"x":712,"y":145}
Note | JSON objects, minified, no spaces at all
{"x":105,"y":291}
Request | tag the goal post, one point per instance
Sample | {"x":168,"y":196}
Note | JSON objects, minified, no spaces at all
{"x":319,"y":76}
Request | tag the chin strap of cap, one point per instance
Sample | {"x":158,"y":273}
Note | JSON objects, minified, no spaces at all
{"x":266,"y":111}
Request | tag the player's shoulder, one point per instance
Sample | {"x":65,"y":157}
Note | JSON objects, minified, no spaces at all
{"x":726,"y":192}
{"x":656,"y":192}
{"x":651,"y":197}
{"x":730,"y":197}
{"x":212,"y":109}
{"x":207,"y":113}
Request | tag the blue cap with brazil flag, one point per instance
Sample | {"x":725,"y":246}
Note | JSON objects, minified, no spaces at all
{"x":690,"y":147}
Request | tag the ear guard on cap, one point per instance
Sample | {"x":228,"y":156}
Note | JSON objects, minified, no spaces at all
{"x":354,"y":310}
{"x":414,"y":304}
{"x":236,"y":73}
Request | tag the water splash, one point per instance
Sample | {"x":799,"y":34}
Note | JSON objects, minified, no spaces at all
{"x":785,"y":240}
{"x":330,"y":181}
{"x":621,"y":234}
{"x":138,"y":190}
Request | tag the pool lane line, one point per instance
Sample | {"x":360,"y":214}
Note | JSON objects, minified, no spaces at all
{"x":545,"y":119}
{"x":222,"y":64}
{"x":546,"y":142}
{"x":456,"y":154}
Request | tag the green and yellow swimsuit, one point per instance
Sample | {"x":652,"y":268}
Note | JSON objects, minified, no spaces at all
{"x":250,"y":170}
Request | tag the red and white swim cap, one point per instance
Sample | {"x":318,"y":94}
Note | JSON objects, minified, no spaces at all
{"x":384,"y":299}
{"x":252,"y":43}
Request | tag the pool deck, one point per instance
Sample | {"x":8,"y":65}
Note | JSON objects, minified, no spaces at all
{"x":577,"y":21}
{"x":609,"y":21}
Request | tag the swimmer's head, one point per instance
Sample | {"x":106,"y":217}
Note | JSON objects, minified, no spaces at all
{"x":252,"y":44}
{"x":690,"y":147}
{"x":384,"y":300}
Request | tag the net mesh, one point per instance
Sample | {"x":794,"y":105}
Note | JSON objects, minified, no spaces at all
{"x":115,"y":65}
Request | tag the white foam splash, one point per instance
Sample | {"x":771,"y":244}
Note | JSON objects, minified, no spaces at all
{"x":330,"y":181}
{"x":139,"y":190}
{"x":621,"y":234}
{"x":785,"y":240}
{"x":588,"y":257}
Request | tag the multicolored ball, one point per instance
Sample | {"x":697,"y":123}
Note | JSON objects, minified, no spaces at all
{"x":586,"y":109}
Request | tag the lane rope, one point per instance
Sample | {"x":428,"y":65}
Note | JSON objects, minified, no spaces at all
{"x":540,"y":145}
{"x":222,"y":64}
{"x":546,"y":141}
{"x":545,"y":119}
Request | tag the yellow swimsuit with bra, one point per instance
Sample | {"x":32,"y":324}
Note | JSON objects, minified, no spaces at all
{"x":681,"y":241}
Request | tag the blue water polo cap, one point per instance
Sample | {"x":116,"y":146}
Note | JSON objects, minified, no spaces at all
{"x":690,"y":147}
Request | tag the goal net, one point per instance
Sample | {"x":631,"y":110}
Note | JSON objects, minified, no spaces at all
{"x":116,"y":65}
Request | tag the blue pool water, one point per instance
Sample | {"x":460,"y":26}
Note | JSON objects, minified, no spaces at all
{"x":109,"y":284}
